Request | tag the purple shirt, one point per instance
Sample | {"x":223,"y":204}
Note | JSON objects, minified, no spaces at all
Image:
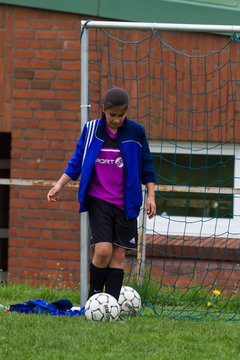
{"x":107,"y":180}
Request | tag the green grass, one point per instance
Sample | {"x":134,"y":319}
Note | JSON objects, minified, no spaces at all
{"x":38,"y":336}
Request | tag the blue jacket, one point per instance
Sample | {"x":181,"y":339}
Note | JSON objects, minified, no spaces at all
{"x":137,"y":159}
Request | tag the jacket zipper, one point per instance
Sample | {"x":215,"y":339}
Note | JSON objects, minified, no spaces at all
{"x":124,"y":174}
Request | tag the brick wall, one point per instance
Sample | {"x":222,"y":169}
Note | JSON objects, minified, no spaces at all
{"x":187,"y":273}
{"x":40,"y":105}
{"x":40,"y":83}
{"x":6,"y":43}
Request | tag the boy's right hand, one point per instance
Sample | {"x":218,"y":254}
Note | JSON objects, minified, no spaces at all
{"x":53,"y":195}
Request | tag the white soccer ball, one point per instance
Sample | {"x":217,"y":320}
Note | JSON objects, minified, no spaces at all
{"x":102,"y":307}
{"x":129,"y":301}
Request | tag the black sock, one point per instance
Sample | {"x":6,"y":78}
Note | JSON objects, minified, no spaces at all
{"x":97,"y":279}
{"x":114,"y":282}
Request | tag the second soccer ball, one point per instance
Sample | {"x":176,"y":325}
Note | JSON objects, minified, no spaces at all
{"x":129,"y":301}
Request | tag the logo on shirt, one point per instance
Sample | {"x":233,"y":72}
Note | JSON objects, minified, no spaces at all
{"x":105,"y":161}
{"x":118,"y":162}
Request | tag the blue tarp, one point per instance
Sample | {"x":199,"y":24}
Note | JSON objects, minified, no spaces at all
{"x":59,"y":307}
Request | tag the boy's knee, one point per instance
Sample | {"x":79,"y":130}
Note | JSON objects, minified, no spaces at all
{"x":118,"y":257}
{"x":102,"y":254}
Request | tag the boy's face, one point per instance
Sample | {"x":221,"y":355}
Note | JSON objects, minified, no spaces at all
{"x":115,"y":117}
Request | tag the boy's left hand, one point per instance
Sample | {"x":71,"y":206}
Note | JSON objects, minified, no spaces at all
{"x":151,"y":207}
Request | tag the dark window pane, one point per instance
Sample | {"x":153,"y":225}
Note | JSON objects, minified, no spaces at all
{"x":5,"y":145}
{"x":5,"y":152}
{"x":4,"y":206}
{"x":3,"y":254}
{"x":194,"y":170}
{"x":4,"y":198}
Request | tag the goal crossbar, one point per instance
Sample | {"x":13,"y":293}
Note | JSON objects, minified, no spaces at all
{"x":160,"y":26}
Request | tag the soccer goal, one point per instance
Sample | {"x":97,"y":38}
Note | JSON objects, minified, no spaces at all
{"x":184,"y":87}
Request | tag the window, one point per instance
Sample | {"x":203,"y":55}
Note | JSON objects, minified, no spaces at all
{"x":5,"y":148}
{"x":195,"y":170}
{"x":202,"y":165}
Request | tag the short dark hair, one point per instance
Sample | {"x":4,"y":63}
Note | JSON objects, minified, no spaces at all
{"x":115,"y":97}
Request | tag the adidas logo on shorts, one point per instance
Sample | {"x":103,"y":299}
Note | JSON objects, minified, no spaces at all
{"x":132,"y":241}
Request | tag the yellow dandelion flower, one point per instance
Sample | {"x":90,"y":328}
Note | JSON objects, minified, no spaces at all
{"x":216,"y":292}
{"x":209,"y":304}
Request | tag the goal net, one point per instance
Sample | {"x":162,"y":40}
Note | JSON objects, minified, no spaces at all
{"x":184,"y":87}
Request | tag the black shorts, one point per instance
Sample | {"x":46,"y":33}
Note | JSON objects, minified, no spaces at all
{"x":108,"y":224}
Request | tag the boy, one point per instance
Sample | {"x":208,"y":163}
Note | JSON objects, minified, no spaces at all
{"x":113,"y":158}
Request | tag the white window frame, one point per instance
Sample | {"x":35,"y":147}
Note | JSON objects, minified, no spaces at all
{"x":196,"y":226}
